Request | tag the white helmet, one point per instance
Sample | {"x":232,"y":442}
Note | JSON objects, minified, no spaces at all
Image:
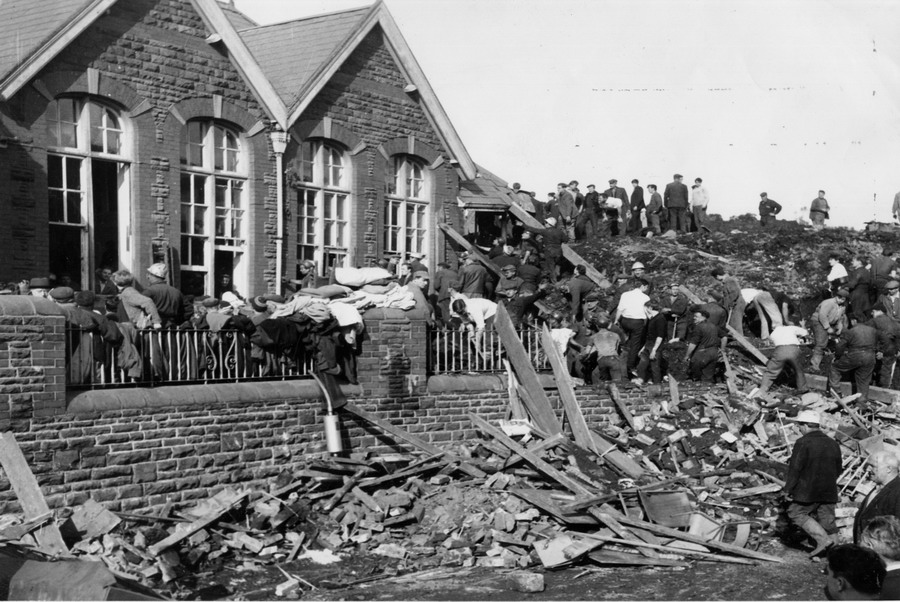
{"x":551,"y":221}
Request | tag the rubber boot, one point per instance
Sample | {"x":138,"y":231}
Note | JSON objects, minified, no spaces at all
{"x":818,"y":533}
{"x":815,"y":360}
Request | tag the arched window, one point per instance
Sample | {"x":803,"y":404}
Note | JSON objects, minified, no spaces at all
{"x":406,"y":207}
{"x":213,"y":207}
{"x":323,"y":205}
{"x":89,"y":193}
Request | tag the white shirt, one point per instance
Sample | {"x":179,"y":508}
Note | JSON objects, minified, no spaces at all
{"x":632,"y":305}
{"x":787,"y":335}
{"x":749,"y":294}
{"x":561,"y":336}
{"x":837,"y":271}
{"x":699,"y":197}
{"x":480,"y":310}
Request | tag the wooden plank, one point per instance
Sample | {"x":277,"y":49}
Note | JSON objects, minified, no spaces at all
{"x":541,"y":498}
{"x":673,"y":550}
{"x":567,"y":392}
{"x":27,"y":490}
{"x":592,"y":272}
{"x":618,"y":558}
{"x":690,"y":295}
{"x":403,"y":435}
{"x":533,"y":459}
{"x":681,"y":535}
{"x":524,"y":217}
{"x":617,"y":459}
{"x":465,"y":244}
{"x":201,"y":523}
{"x":759,"y":355}
{"x":536,"y":400}
{"x":859,"y":421}
{"x":517,"y":410}
{"x":610,"y":521}
{"x":537,"y":448}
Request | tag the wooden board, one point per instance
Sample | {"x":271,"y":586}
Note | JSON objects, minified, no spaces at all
{"x":29,"y":494}
{"x":681,"y":535}
{"x":759,"y":355}
{"x":592,"y":272}
{"x":201,"y":523}
{"x":618,"y":558}
{"x":524,"y":217}
{"x":541,"y":499}
{"x":465,"y":244}
{"x":533,"y":459}
{"x":567,"y":392}
{"x":403,"y":435}
{"x":617,"y":459}
{"x":536,"y":401}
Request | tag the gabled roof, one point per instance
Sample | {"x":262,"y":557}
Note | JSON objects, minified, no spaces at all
{"x":31,"y":35}
{"x":303,"y":66}
{"x":292,"y":53}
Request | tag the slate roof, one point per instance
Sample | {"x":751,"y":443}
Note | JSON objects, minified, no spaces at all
{"x":290,"y":54}
{"x":485,"y":192}
{"x":24,"y":27}
{"x":238,"y":19}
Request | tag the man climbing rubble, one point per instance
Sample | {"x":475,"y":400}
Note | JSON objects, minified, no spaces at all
{"x":828,"y":319}
{"x":811,"y":483}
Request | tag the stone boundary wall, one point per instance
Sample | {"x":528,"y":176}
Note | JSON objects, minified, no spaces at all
{"x":161,"y":449}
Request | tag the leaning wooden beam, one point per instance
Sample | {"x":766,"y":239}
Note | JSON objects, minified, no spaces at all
{"x":536,"y":401}
{"x":403,"y":435}
{"x":533,"y":459}
{"x":617,"y":528}
{"x":27,"y":490}
{"x":716,"y":545}
{"x":567,"y":392}
{"x":201,"y":523}
{"x":693,"y":298}
{"x":592,"y":272}
{"x":747,"y":345}
{"x":465,"y":244}
{"x":524,"y":217}
{"x":617,"y":459}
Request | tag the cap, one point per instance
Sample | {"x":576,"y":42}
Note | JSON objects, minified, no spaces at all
{"x":551,"y":221}
{"x":421,"y":274}
{"x":508,"y":268}
{"x":613,"y":181}
{"x":85,"y":298}
{"x":809,"y":417}
{"x":637,"y":265}
{"x":678,"y":175}
{"x":416,"y":255}
{"x":842,"y":292}
{"x":892,"y":285}
{"x":160,"y":270}
{"x":39,"y":283}
{"x":763,"y":194}
{"x":258,"y":303}
{"x":210,"y":302}
{"x":63,"y":294}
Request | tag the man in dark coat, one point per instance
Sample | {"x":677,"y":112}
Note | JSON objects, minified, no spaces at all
{"x":615,"y":192}
{"x":855,"y":354}
{"x":588,"y":214}
{"x":768,"y":209}
{"x":811,"y":482}
{"x":444,"y":279}
{"x":884,"y":500}
{"x":676,"y":201}
{"x":637,"y":205}
{"x":553,"y":237}
{"x":890,"y":331}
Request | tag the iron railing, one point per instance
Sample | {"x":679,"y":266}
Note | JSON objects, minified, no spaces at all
{"x":451,"y":351}
{"x":167,"y":357}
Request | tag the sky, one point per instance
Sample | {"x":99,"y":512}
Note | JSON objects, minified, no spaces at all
{"x":779,"y":96}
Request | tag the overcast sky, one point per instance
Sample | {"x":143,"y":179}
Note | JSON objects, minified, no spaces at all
{"x":782,"y":96}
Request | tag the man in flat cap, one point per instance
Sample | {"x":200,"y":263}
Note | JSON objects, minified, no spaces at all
{"x":168,"y":299}
{"x":676,"y":201}
{"x":828,"y":319}
{"x":418,"y":286}
{"x":768,"y":209}
{"x":811,"y":483}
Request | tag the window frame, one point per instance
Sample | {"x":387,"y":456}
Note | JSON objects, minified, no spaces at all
{"x":325,"y":184}
{"x":408,"y":189}
{"x":214,"y":169}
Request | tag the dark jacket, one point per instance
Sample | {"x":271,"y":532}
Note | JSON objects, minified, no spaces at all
{"x":619,"y":193}
{"x":472,"y":279}
{"x":443,"y":280}
{"x":861,"y":338}
{"x":637,"y":198}
{"x":676,"y":195}
{"x":814,"y":469}
{"x":884,"y":503}
{"x":591,"y":202}
{"x":769,"y":207}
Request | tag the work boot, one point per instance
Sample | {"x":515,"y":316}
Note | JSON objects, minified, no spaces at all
{"x":818,"y":533}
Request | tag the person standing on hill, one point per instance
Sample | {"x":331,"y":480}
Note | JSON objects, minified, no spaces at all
{"x":637,"y":205}
{"x":818,"y":211}
{"x":768,"y":209}
{"x":654,"y":209}
{"x":699,"y":203}
{"x":622,"y":206}
{"x":676,"y":201}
